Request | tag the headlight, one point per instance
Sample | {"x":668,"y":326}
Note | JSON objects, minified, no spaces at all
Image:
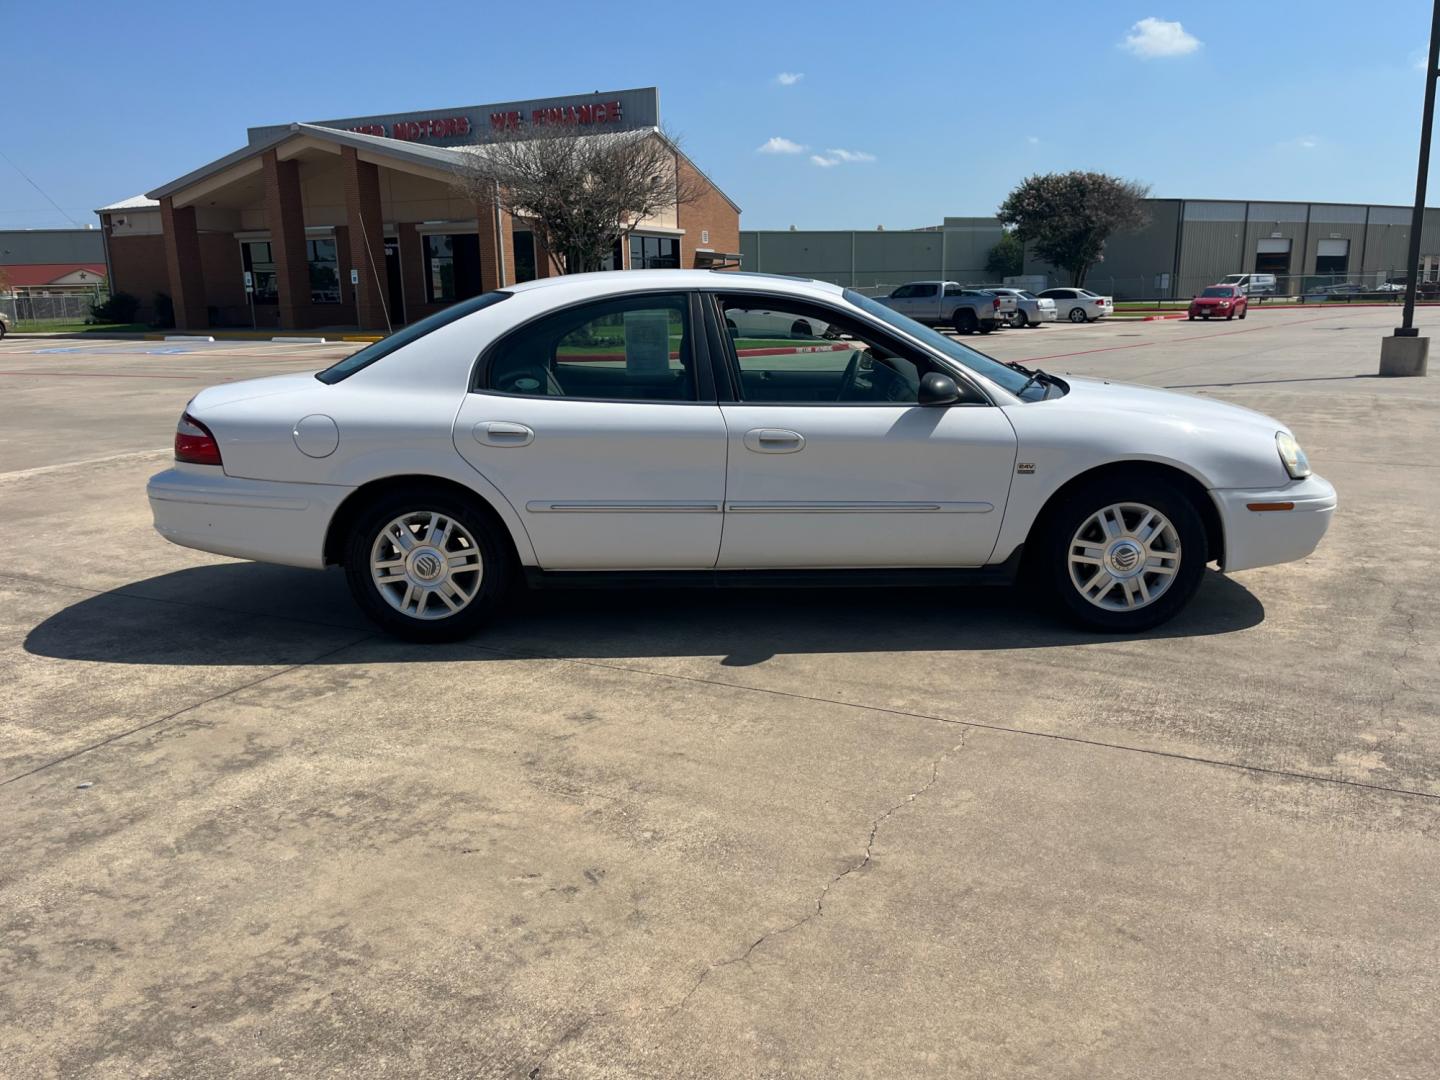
{"x":1296,"y":463}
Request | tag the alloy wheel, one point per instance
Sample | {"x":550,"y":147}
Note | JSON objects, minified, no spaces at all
{"x":426,"y":565}
{"x":1124,"y":557}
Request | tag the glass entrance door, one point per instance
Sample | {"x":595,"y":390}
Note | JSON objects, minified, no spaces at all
{"x":395,"y":291}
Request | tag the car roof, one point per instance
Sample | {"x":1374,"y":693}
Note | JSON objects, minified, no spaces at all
{"x":621,"y":281}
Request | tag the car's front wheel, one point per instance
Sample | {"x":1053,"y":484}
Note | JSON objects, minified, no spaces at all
{"x":426,"y":565}
{"x":1124,"y":554}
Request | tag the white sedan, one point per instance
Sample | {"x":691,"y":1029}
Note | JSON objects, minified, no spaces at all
{"x":1079,"y":305}
{"x":643,"y":427}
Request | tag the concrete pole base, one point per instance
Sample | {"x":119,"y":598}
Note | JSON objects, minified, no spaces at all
{"x":1404,"y":355}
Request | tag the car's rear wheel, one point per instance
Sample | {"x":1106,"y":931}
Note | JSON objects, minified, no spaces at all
{"x":1244,"y":311}
{"x":965,"y":322}
{"x":1123,"y":554}
{"x":426,"y":565}
{"x":1021,"y":320}
{"x":1077,"y":315}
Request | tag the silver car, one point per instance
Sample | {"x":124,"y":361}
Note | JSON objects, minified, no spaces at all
{"x":4,"y":324}
{"x":1030,"y":309}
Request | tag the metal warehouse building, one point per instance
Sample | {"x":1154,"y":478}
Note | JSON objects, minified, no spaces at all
{"x":1188,"y":244}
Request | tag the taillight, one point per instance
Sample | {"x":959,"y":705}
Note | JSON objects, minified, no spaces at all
{"x":194,"y":444}
{"x":997,"y":303}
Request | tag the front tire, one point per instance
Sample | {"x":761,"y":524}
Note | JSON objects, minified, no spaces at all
{"x":427,"y":564}
{"x":1123,"y":553}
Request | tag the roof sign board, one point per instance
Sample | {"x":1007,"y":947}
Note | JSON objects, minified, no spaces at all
{"x":613,"y":110}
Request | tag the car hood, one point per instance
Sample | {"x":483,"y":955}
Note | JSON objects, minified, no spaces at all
{"x":1186,"y":410}
{"x":215,"y":397}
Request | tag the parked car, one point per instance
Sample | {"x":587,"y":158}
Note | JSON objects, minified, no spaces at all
{"x":605,"y":429}
{"x":4,"y":325}
{"x":1079,"y":305}
{"x":948,"y":303}
{"x":1030,"y":310}
{"x":1342,"y":288}
{"x":1219,"y":301}
{"x":1257,"y":285}
{"x":1394,"y":285}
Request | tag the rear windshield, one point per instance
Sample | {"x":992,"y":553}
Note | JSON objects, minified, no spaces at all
{"x":405,"y":335}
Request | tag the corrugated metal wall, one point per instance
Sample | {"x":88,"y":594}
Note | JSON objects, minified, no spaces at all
{"x":1195,"y":241}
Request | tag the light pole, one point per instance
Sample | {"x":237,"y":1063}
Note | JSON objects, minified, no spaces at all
{"x":1407,"y":353}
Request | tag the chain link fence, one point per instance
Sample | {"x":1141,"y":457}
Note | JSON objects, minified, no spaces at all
{"x":27,"y":311}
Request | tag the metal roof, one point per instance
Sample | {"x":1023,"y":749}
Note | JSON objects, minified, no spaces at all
{"x":135,"y":202}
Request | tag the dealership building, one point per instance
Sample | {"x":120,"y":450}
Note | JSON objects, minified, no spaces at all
{"x":1188,"y":244}
{"x":358,"y":222}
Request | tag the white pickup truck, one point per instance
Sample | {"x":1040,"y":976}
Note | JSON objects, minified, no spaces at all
{"x":949,"y":303}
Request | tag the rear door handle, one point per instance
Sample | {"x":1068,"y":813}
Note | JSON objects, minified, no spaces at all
{"x":766,"y":440}
{"x":503,"y":433}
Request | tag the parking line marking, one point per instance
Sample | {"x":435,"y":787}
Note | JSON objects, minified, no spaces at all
{"x":42,"y":470}
{"x":1170,"y":341}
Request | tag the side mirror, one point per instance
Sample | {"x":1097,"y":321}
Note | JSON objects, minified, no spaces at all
{"x":937,"y":388}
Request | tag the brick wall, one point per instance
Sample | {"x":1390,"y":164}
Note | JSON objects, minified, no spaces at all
{"x":137,"y":266}
{"x":709,"y":212}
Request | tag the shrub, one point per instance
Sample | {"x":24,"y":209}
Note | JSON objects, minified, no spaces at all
{"x":120,"y":307}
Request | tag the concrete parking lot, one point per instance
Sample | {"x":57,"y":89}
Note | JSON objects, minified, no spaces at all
{"x":803,"y":834}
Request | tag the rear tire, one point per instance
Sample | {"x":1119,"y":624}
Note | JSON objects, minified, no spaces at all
{"x":427,"y":565}
{"x":965,"y":322}
{"x":1021,"y":320}
{"x":1122,"y":554}
{"x":1077,"y":315}
{"x":1245,"y":312}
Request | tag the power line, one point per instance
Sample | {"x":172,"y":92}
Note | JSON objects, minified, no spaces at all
{"x":38,"y":188}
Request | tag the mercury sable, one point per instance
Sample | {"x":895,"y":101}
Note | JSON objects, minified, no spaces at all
{"x":686,"y":427}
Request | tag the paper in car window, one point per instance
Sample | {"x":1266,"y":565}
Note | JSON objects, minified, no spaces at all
{"x":647,"y":342}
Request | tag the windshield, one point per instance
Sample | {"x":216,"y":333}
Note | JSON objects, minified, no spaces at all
{"x":1025,"y":295}
{"x":386,"y":345}
{"x":993,"y":370}
{"x":1212,"y":291}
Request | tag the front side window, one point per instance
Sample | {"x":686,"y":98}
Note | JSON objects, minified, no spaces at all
{"x":796,"y":353}
{"x":324,"y":271}
{"x":633,"y":348}
{"x":1012,"y":380}
{"x":452,"y":267}
{"x":925,"y":289}
{"x":904,"y":292}
{"x":259,"y":263}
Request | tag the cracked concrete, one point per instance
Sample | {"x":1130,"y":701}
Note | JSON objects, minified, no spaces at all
{"x":722,"y":836}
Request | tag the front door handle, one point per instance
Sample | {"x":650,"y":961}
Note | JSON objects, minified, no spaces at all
{"x":502,"y":433}
{"x":767,"y":440}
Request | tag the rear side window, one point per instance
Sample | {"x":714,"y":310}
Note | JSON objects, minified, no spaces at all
{"x":631,"y":348}
{"x":954,"y":290}
{"x":404,"y":336}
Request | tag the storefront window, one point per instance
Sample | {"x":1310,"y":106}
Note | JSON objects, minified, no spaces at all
{"x":654,"y":253}
{"x":324,"y":271}
{"x":452,"y":267}
{"x":260,"y":264}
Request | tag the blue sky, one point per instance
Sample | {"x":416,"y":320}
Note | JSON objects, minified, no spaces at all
{"x":901,"y":120}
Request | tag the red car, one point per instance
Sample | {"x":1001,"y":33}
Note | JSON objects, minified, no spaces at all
{"x":1217,"y":300}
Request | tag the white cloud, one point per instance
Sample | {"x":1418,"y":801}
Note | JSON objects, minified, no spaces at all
{"x":1300,"y":142}
{"x":837,"y":157}
{"x":1033,"y":140}
{"x":778,"y":144}
{"x":789,"y":78}
{"x":1151,"y":38}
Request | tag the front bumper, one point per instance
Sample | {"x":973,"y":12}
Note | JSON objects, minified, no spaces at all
{"x":198,"y":506}
{"x":1266,"y":537}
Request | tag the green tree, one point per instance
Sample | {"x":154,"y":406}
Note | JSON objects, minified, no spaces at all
{"x":1006,"y":258}
{"x":1067,"y":217}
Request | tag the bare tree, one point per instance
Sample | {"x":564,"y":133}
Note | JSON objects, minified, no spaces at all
{"x":579,"y":193}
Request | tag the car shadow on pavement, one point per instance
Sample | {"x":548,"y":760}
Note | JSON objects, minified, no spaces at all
{"x":256,"y":614}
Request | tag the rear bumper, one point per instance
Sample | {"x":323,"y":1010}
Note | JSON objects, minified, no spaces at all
{"x":1266,"y":537}
{"x":198,"y":506}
